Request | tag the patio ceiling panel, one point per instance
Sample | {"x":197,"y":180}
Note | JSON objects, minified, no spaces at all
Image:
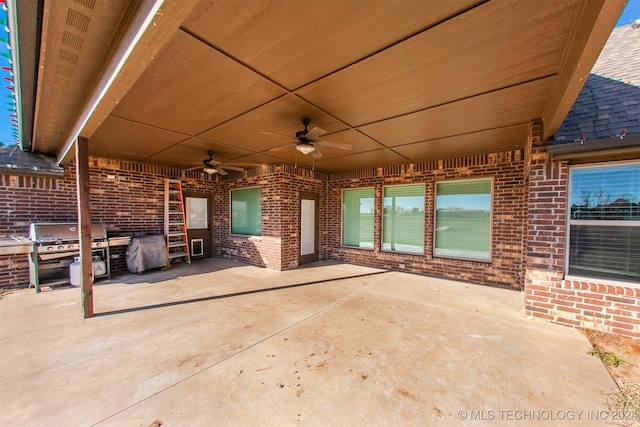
{"x":360,"y":144}
{"x":482,"y":142}
{"x":492,"y":110}
{"x":483,"y":50}
{"x":258,"y":160}
{"x":304,"y":43}
{"x":192,"y":87}
{"x":359,"y":161}
{"x":281,"y":116}
{"x":132,"y":141}
{"x":399,"y":81}
{"x":193,"y":151}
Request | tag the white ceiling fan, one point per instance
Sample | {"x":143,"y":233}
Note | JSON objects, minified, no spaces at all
{"x":211,"y":166}
{"x":307,"y":141}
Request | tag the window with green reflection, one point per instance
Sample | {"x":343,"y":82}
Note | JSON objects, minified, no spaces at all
{"x":357,"y":217}
{"x":463,"y":219}
{"x":246,"y":211}
{"x":403,"y":219}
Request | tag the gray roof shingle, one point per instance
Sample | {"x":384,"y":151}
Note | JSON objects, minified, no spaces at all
{"x":620,"y":57}
{"x":610,"y":99}
{"x":15,"y":161}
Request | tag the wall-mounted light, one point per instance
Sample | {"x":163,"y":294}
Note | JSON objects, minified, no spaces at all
{"x":305,"y":148}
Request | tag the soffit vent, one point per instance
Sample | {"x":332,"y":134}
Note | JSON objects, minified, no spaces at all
{"x":61,"y":82}
{"x":64,"y":71}
{"x":78,"y":20}
{"x":72,"y":40}
{"x":87,"y":3}
{"x":68,"y":57}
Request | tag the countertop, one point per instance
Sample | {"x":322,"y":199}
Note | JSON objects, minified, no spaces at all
{"x":15,"y":245}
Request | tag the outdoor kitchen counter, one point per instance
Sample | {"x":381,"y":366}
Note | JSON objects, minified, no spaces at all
{"x":15,"y":245}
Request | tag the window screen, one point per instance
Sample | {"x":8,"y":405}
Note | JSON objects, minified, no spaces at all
{"x":357,"y":217}
{"x":604,"y":222}
{"x":246,"y":211}
{"x":403,"y":220}
{"x":463,"y":219}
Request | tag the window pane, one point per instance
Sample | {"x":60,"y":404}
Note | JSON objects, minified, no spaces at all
{"x":606,"y":193}
{"x":307,"y":227}
{"x":246,"y":211}
{"x":605,"y":252}
{"x":463,"y":219}
{"x":604,"y":222}
{"x":403,"y":220}
{"x":357,"y":218}
{"x":197,"y":216}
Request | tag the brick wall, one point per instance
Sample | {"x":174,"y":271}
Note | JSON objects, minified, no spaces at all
{"x":292,"y":183}
{"x":127,"y":196}
{"x":279,"y":245}
{"x":528,"y":219}
{"x":509,"y":216}
{"x":14,"y":271}
{"x":262,"y":250}
{"x":27,"y":199}
{"x":548,"y":295}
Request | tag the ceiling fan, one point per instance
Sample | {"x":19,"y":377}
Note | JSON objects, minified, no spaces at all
{"x":307,"y":141}
{"x":211,"y":166}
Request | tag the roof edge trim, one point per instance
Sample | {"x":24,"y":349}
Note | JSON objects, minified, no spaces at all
{"x":143,"y":17}
{"x":600,"y":147}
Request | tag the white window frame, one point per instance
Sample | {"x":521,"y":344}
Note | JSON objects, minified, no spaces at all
{"x":569,"y":222}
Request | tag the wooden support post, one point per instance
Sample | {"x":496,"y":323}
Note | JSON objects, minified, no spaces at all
{"x":84,"y":224}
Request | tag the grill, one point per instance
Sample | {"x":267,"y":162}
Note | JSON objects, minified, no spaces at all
{"x":56,"y":245}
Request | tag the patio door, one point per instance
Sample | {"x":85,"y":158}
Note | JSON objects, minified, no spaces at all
{"x":198,"y":224}
{"x":309,"y":224}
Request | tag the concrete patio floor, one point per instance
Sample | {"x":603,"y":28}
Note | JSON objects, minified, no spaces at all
{"x":223,"y":343}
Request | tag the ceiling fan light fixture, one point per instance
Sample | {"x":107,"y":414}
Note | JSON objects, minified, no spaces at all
{"x":210,"y":171}
{"x":305,"y":148}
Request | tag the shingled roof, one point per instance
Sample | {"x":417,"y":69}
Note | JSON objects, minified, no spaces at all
{"x":15,"y":161}
{"x":609,"y":103}
{"x":620,"y":57}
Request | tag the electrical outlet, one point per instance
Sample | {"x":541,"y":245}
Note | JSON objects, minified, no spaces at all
{"x":401,"y":266}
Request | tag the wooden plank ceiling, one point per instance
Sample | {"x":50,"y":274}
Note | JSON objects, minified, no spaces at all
{"x":401,"y":82}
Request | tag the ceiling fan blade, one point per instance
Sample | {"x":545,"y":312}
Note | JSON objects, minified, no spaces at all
{"x":221,"y":171}
{"x":316,"y":154}
{"x":334,"y":144}
{"x":315,"y":133}
{"x":194,"y":168}
{"x":231,"y":168}
{"x":280,"y":147}
{"x":278,"y":134}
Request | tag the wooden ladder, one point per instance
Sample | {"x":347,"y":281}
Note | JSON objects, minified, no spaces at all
{"x":175,"y":228}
